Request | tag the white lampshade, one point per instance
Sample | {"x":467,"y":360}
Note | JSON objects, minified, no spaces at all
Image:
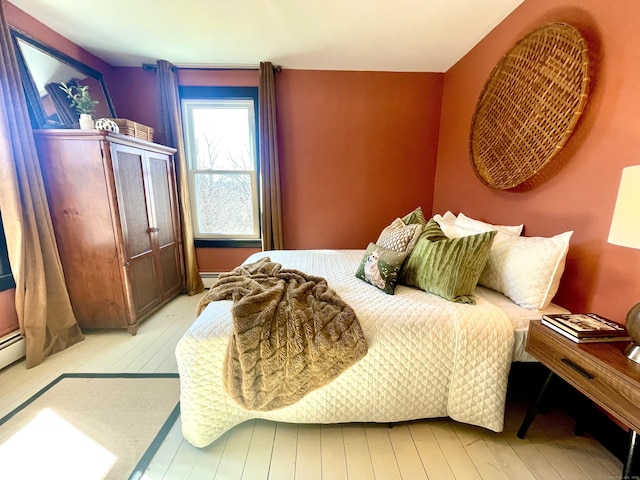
{"x":625,"y":231}
{"x":625,"y":225}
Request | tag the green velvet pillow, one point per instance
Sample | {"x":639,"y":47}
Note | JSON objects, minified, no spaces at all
{"x":447,"y":267}
{"x":380,"y":267}
{"x":415,"y":217}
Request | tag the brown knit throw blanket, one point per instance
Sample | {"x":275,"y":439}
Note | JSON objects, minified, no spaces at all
{"x":291,"y":334}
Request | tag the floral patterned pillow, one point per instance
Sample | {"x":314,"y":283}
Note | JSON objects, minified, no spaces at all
{"x":380,"y":267}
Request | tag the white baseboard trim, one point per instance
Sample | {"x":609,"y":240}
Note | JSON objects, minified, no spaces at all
{"x":12,"y":349}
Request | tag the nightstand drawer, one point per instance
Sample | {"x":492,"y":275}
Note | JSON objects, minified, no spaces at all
{"x":592,"y":376}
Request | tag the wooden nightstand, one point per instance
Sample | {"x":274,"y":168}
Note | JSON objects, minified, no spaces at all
{"x":600,"y":371}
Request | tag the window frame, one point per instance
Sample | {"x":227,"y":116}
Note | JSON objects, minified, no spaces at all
{"x":195,"y":93}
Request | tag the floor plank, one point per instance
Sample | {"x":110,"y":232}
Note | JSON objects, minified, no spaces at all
{"x":473,"y":440}
{"x":308,"y":453}
{"x":164,"y":456}
{"x":454,"y":451}
{"x":557,"y":457}
{"x":383,"y":458}
{"x":260,"y":450}
{"x":511,"y":463}
{"x":535,"y":461}
{"x":334,"y":462}
{"x":407,"y":456}
{"x":235,"y":453}
{"x":284,"y":454}
{"x":433,"y":458}
{"x":359,"y":464}
{"x":183,"y":462}
{"x":208,"y":460}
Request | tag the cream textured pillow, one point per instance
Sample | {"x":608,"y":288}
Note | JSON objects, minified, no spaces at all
{"x":527,"y":269}
{"x":399,"y":237}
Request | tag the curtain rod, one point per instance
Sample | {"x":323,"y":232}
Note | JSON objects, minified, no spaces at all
{"x":153,"y":67}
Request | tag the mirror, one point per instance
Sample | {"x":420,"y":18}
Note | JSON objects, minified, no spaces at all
{"x":42,"y":69}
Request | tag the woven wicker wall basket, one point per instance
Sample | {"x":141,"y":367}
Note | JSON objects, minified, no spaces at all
{"x":529,"y":106}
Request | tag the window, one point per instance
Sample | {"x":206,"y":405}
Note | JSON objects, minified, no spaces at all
{"x":220,"y":143}
{"x":6,"y":278}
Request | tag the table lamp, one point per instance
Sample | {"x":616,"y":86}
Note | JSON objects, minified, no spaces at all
{"x":625,"y":231}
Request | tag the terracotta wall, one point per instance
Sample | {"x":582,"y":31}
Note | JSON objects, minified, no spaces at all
{"x":357,"y":149}
{"x":580,"y":196}
{"x":134,"y":94}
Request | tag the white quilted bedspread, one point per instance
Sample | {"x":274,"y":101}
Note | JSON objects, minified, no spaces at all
{"x":428,"y":357}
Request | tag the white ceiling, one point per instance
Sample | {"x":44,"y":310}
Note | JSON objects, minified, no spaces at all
{"x":380,"y":35}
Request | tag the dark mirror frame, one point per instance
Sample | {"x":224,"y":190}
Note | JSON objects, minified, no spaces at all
{"x":36,"y":110}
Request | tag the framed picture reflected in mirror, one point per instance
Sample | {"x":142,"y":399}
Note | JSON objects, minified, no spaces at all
{"x":42,"y":70}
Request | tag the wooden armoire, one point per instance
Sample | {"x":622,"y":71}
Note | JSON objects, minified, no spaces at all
{"x":114,"y":211}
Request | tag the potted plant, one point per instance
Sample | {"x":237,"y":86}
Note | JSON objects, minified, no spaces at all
{"x":81,"y":102}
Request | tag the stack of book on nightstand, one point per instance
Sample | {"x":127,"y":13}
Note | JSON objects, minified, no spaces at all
{"x":586,"y":327}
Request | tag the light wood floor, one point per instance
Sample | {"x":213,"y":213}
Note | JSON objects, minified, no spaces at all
{"x":428,"y":449}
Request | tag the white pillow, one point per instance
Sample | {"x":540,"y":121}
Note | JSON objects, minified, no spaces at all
{"x":447,"y":218}
{"x":481,"y":227}
{"x":527,"y":269}
{"x":456,"y":230}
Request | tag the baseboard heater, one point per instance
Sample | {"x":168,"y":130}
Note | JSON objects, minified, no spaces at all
{"x":208,"y":278}
{"x":12,"y":348}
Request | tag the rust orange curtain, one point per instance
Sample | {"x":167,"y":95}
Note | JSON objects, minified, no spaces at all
{"x":171,"y":134}
{"x":42,"y":302}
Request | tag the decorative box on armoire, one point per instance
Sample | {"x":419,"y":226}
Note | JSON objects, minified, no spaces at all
{"x":114,"y":209}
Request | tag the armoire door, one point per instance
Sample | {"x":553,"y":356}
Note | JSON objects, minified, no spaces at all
{"x":165,"y":231}
{"x":136,"y":218}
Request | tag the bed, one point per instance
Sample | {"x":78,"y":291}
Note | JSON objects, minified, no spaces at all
{"x":427,"y":356}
